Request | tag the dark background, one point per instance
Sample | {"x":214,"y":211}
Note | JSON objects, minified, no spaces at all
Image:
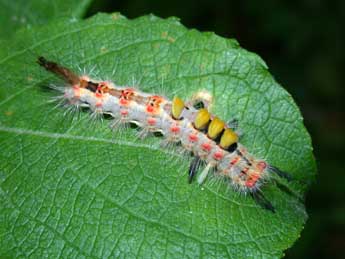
{"x":303,"y":44}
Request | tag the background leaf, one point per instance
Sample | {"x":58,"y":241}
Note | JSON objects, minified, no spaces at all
{"x":25,"y":13}
{"x":72,"y":188}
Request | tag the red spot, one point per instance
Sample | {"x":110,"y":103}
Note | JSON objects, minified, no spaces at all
{"x":99,"y":104}
{"x":124,"y":112}
{"x":256,"y":176}
{"x":150,"y":109}
{"x":151,"y":121}
{"x":126,"y":96}
{"x":262,"y":165}
{"x":218,"y":155}
{"x":99,"y":90}
{"x":193,"y":138}
{"x":123,"y":102}
{"x":206,"y":146}
{"x":252,"y":180}
{"x":250,"y":183}
{"x":234,"y":161}
{"x":175,"y":129}
{"x":153,"y":104}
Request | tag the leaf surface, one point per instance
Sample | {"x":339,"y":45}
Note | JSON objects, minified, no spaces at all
{"x":71,"y":188}
{"x":25,"y":13}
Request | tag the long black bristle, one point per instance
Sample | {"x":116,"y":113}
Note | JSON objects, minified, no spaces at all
{"x":280,"y":173}
{"x":194,"y":166}
{"x":261,"y":200}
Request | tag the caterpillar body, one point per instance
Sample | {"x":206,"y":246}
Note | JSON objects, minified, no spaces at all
{"x":211,"y":141}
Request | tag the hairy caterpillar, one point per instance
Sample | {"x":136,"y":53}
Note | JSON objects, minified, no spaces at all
{"x":211,"y":141}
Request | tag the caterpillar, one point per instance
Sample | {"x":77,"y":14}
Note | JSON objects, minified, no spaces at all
{"x":213,"y":143}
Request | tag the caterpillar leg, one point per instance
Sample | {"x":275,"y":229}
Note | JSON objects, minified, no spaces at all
{"x":193,"y":168}
{"x":261,"y":200}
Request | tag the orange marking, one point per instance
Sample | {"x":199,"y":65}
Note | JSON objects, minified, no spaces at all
{"x":252,"y":180}
{"x":234,"y":161}
{"x":153,"y":104}
{"x":127,"y":93}
{"x":76,"y":90}
{"x":99,"y":91}
{"x":245,"y":170}
{"x":126,"y":96}
{"x":158,"y":99}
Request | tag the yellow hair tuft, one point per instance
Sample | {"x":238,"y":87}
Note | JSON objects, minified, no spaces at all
{"x":177,"y":107}
{"x":201,"y":119}
{"x":215,"y":128}
{"x":228,"y":138}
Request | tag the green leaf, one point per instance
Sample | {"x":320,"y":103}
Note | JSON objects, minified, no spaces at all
{"x":25,"y":13}
{"x":70,"y":188}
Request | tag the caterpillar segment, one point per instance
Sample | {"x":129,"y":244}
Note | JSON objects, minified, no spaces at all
{"x":212,"y":142}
